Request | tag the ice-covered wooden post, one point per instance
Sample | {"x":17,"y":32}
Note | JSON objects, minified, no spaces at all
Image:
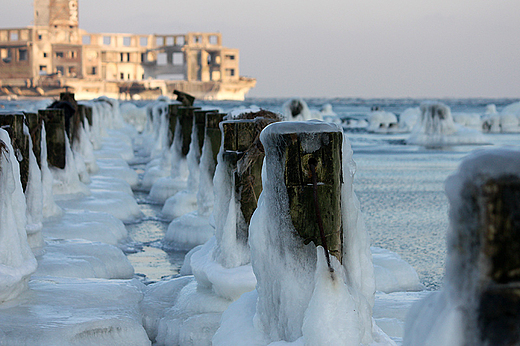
{"x":325,"y":161}
{"x":13,"y":123}
{"x":214,"y":135}
{"x":173,"y":113}
{"x":497,"y":203}
{"x":72,"y":123}
{"x":200,"y":123}
{"x":34,"y":120}
{"x":54,"y":120}
{"x":480,"y":301}
{"x":186,"y":123}
{"x":85,"y":112}
{"x":243,"y":152}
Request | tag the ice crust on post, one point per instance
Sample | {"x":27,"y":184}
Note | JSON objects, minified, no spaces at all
{"x":292,"y":280}
{"x":451,"y":316}
{"x":436,"y":128}
{"x":17,"y":261}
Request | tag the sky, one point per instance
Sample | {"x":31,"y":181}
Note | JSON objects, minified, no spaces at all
{"x":336,"y":48}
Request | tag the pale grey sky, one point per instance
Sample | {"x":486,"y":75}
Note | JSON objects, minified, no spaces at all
{"x":336,"y":48}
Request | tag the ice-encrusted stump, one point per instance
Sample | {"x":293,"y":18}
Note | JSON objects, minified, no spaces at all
{"x":55,"y":129}
{"x":186,"y":124}
{"x":299,"y":297}
{"x":303,"y":166}
{"x":17,"y":261}
{"x":214,"y":137}
{"x":480,"y":303}
{"x":436,"y":128}
{"x":34,"y":122}
{"x":243,"y":156}
{"x":14,"y":123}
{"x":173,"y":114}
{"x":200,"y":123}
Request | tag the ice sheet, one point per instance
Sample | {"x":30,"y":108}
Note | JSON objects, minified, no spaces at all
{"x":64,"y":311}
{"x":83,"y":259}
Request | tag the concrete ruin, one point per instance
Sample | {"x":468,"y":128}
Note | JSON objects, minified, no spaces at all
{"x":54,"y":53}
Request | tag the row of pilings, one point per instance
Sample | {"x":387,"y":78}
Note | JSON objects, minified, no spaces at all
{"x":310,"y":169}
{"x":62,"y":118}
{"x":311,"y":174}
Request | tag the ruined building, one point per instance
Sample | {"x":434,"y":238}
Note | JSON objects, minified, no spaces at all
{"x":54,"y":53}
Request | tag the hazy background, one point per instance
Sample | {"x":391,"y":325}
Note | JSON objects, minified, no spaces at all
{"x":336,"y":48}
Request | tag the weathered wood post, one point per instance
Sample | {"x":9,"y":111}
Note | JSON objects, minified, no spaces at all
{"x":34,"y":120}
{"x":186,"y":99}
{"x":214,"y":135}
{"x":498,"y":218}
{"x":173,"y":114}
{"x":186,"y":123}
{"x":73,"y":121}
{"x":88,"y":114}
{"x":54,"y":120}
{"x":13,"y":123}
{"x":314,"y":178}
{"x":311,"y":157}
{"x":200,"y":124}
{"x":243,"y":152}
{"x":85,"y":112}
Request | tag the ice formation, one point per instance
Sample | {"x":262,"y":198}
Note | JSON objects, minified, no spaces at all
{"x":17,"y":261}
{"x":154,"y":144}
{"x":66,"y":182}
{"x":185,"y":201}
{"x":83,"y":259}
{"x":291,"y":279}
{"x":392,"y":274}
{"x":50,"y":208}
{"x":507,"y":121}
{"x":449,"y":316}
{"x":382,"y":122}
{"x":469,"y":120}
{"x":168,"y":176}
{"x":34,"y":202}
{"x":133,"y":115}
{"x":408,"y":118}
{"x":296,"y":109}
{"x":327,"y":114}
{"x":68,"y":311}
{"x":436,"y":128}
{"x":89,"y":225}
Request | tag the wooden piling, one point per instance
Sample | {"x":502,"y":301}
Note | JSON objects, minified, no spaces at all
{"x":498,"y":218}
{"x":54,"y":120}
{"x":85,"y":112}
{"x":212,"y":132}
{"x":311,"y":157}
{"x":327,"y":159}
{"x":13,"y":123}
{"x":186,"y":99}
{"x":200,"y":124}
{"x":73,"y":123}
{"x":34,"y":120}
{"x":243,"y":152}
{"x":173,"y":109}
{"x":186,"y":123}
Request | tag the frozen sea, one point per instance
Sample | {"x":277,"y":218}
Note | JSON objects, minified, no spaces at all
{"x":400,"y":187}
